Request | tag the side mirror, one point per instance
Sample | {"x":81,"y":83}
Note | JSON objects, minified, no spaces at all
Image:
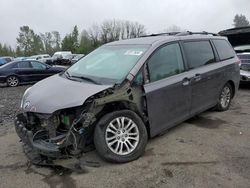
{"x":47,"y":67}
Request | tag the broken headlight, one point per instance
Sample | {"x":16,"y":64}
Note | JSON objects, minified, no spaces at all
{"x":25,"y":95}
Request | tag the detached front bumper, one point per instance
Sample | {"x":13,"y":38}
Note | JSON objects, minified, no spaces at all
{"x":40,"y":146}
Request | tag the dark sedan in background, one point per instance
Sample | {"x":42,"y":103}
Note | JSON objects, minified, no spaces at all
{"x":18,"y":72}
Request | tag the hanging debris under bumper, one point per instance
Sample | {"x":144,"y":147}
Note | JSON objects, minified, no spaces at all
{"x":44,"y":148}
{"x":40,"y":146}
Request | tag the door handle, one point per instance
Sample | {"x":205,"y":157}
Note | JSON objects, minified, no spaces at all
{"x":186,"y":81}
{"x":197,"y":77}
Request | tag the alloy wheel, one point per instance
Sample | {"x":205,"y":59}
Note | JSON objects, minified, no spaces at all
{"x":225,"y":97}
{"x":12,"y":81}
{"x":122,"y":136}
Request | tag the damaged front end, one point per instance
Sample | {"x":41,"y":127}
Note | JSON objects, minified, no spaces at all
{"x":62,"y":135}
{"x":68,"y":133}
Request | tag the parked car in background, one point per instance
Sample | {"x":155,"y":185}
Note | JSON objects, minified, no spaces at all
{"x":17,"y":72}
{"x":42,"y":57}
{"x":77,"y":58}
{"x":125,"y":92}
{"x":240,"y":40}
{"x":59,"y":58}
{"x":2,"y":61}
{"x":6,"y":59}
{"x":67,"y":59}
{"x":243,"y":52}
{"x":20,"y":58}
{"x":71,"y":58}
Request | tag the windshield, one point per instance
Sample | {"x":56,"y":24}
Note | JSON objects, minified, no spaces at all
{"x":108,"y":64}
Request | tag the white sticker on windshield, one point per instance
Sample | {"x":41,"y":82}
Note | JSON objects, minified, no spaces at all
{"x":133,"y":52}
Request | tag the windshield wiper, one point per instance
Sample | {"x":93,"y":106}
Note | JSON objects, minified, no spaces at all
{"x":67,"y":74}
{"x":86,"y":78}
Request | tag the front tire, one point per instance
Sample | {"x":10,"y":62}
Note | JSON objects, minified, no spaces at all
{"x":120,"y":136}
{"x":12,"y":81}
{"x":225,"y":98}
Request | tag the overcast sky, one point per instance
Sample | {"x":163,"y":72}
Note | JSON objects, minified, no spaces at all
{"x":156,"y":15}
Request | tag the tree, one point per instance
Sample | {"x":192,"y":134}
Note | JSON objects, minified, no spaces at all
{"x":173,"y":28}
{"x":6,"y":50}
{"x":110,"y":31}
{"x":131,"y":30}
{"x":37,"y":45}
{"x":57,"y":40}
{"x":67,"y":43}
{"x":47,"y":42}
{"x":29,"y":42}
{"x":18,"y":51}
{"x":75,"y":35}
{"x":94,"y":34}
{"x":70,"y":41}
{"x":240,"y":21}
{"x":85,"y":43}
{"x":51,"y":41}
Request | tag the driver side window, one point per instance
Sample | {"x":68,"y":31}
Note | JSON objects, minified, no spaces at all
{"x":166,"y":61}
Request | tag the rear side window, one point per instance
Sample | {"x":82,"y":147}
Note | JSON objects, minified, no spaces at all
{"x":224,"y":49}
{"x":37,"y":65}
{"x":24,"y":65}
{"x":165,"y":62}
{"x":198,"y":53}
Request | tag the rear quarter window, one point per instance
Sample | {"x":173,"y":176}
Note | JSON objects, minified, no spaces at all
{"x":224,"y":49}
{"x":24,"y":65}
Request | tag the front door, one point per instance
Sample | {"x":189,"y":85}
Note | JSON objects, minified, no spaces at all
{"x":24,"y":71}
{"x":168,"y":94}
{"x":40,"y":70}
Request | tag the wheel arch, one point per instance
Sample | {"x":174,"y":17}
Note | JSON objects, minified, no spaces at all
{"x":123,"y":105}
{"x":13,"y":75}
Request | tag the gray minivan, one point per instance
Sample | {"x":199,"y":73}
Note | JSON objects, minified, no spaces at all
{"x":125,"y":92}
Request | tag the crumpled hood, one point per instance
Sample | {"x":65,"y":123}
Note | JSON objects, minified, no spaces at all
{"x":56,"y":92}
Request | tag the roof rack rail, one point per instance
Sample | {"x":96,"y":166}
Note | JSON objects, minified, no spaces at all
{"x":185,"y":33}
{"x":196,"y":33}
{"x":160,"y":34}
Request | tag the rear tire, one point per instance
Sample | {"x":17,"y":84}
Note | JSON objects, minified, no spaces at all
{"x":225,"y":98}
{"x":12,"y":81}
{"x":120,"y":136}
